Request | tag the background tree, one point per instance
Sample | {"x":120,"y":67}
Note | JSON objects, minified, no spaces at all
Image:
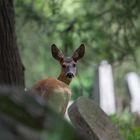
{"x":109,"y":29}
{"x":11,"y":68}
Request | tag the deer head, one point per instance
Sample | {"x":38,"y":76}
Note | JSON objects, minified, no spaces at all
{"x":68,"y":64}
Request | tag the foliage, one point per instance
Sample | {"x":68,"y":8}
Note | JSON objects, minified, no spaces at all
{"x":110,"y":30}
{"x":26,"y":116}
{"x":128,"y":125}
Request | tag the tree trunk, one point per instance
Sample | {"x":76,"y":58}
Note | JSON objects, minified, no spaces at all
{"x":11,"y":68}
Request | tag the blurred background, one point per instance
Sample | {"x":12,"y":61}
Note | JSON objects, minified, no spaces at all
{"x":109,"y":29}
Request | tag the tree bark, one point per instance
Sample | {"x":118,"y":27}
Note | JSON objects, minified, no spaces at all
{"x":11,"y":68}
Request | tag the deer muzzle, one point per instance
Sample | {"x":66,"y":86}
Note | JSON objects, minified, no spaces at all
{"x":69,"y":75}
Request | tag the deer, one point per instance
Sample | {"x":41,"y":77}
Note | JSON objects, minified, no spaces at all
{"x":57,"y":92}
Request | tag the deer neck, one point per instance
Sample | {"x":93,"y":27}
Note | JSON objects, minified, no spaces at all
{"x":62,"y":77}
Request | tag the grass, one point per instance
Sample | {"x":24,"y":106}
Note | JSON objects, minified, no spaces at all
{"x":128,"y":124}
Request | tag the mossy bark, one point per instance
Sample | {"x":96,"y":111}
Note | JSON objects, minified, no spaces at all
{"x":11,"y":67}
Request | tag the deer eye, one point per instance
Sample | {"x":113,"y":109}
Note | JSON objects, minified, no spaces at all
{"x":74,"y":65}
{"x":64,"y":66}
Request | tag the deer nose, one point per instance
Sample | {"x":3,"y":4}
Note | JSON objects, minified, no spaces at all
{"x":69,"y":75}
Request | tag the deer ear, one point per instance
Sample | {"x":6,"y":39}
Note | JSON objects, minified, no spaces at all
{"x":79,"y":53}
{"x":56,"y":53}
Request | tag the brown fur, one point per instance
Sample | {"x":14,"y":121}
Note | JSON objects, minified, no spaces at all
{"x":56,"y":91}
{"x":51,"y":87}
